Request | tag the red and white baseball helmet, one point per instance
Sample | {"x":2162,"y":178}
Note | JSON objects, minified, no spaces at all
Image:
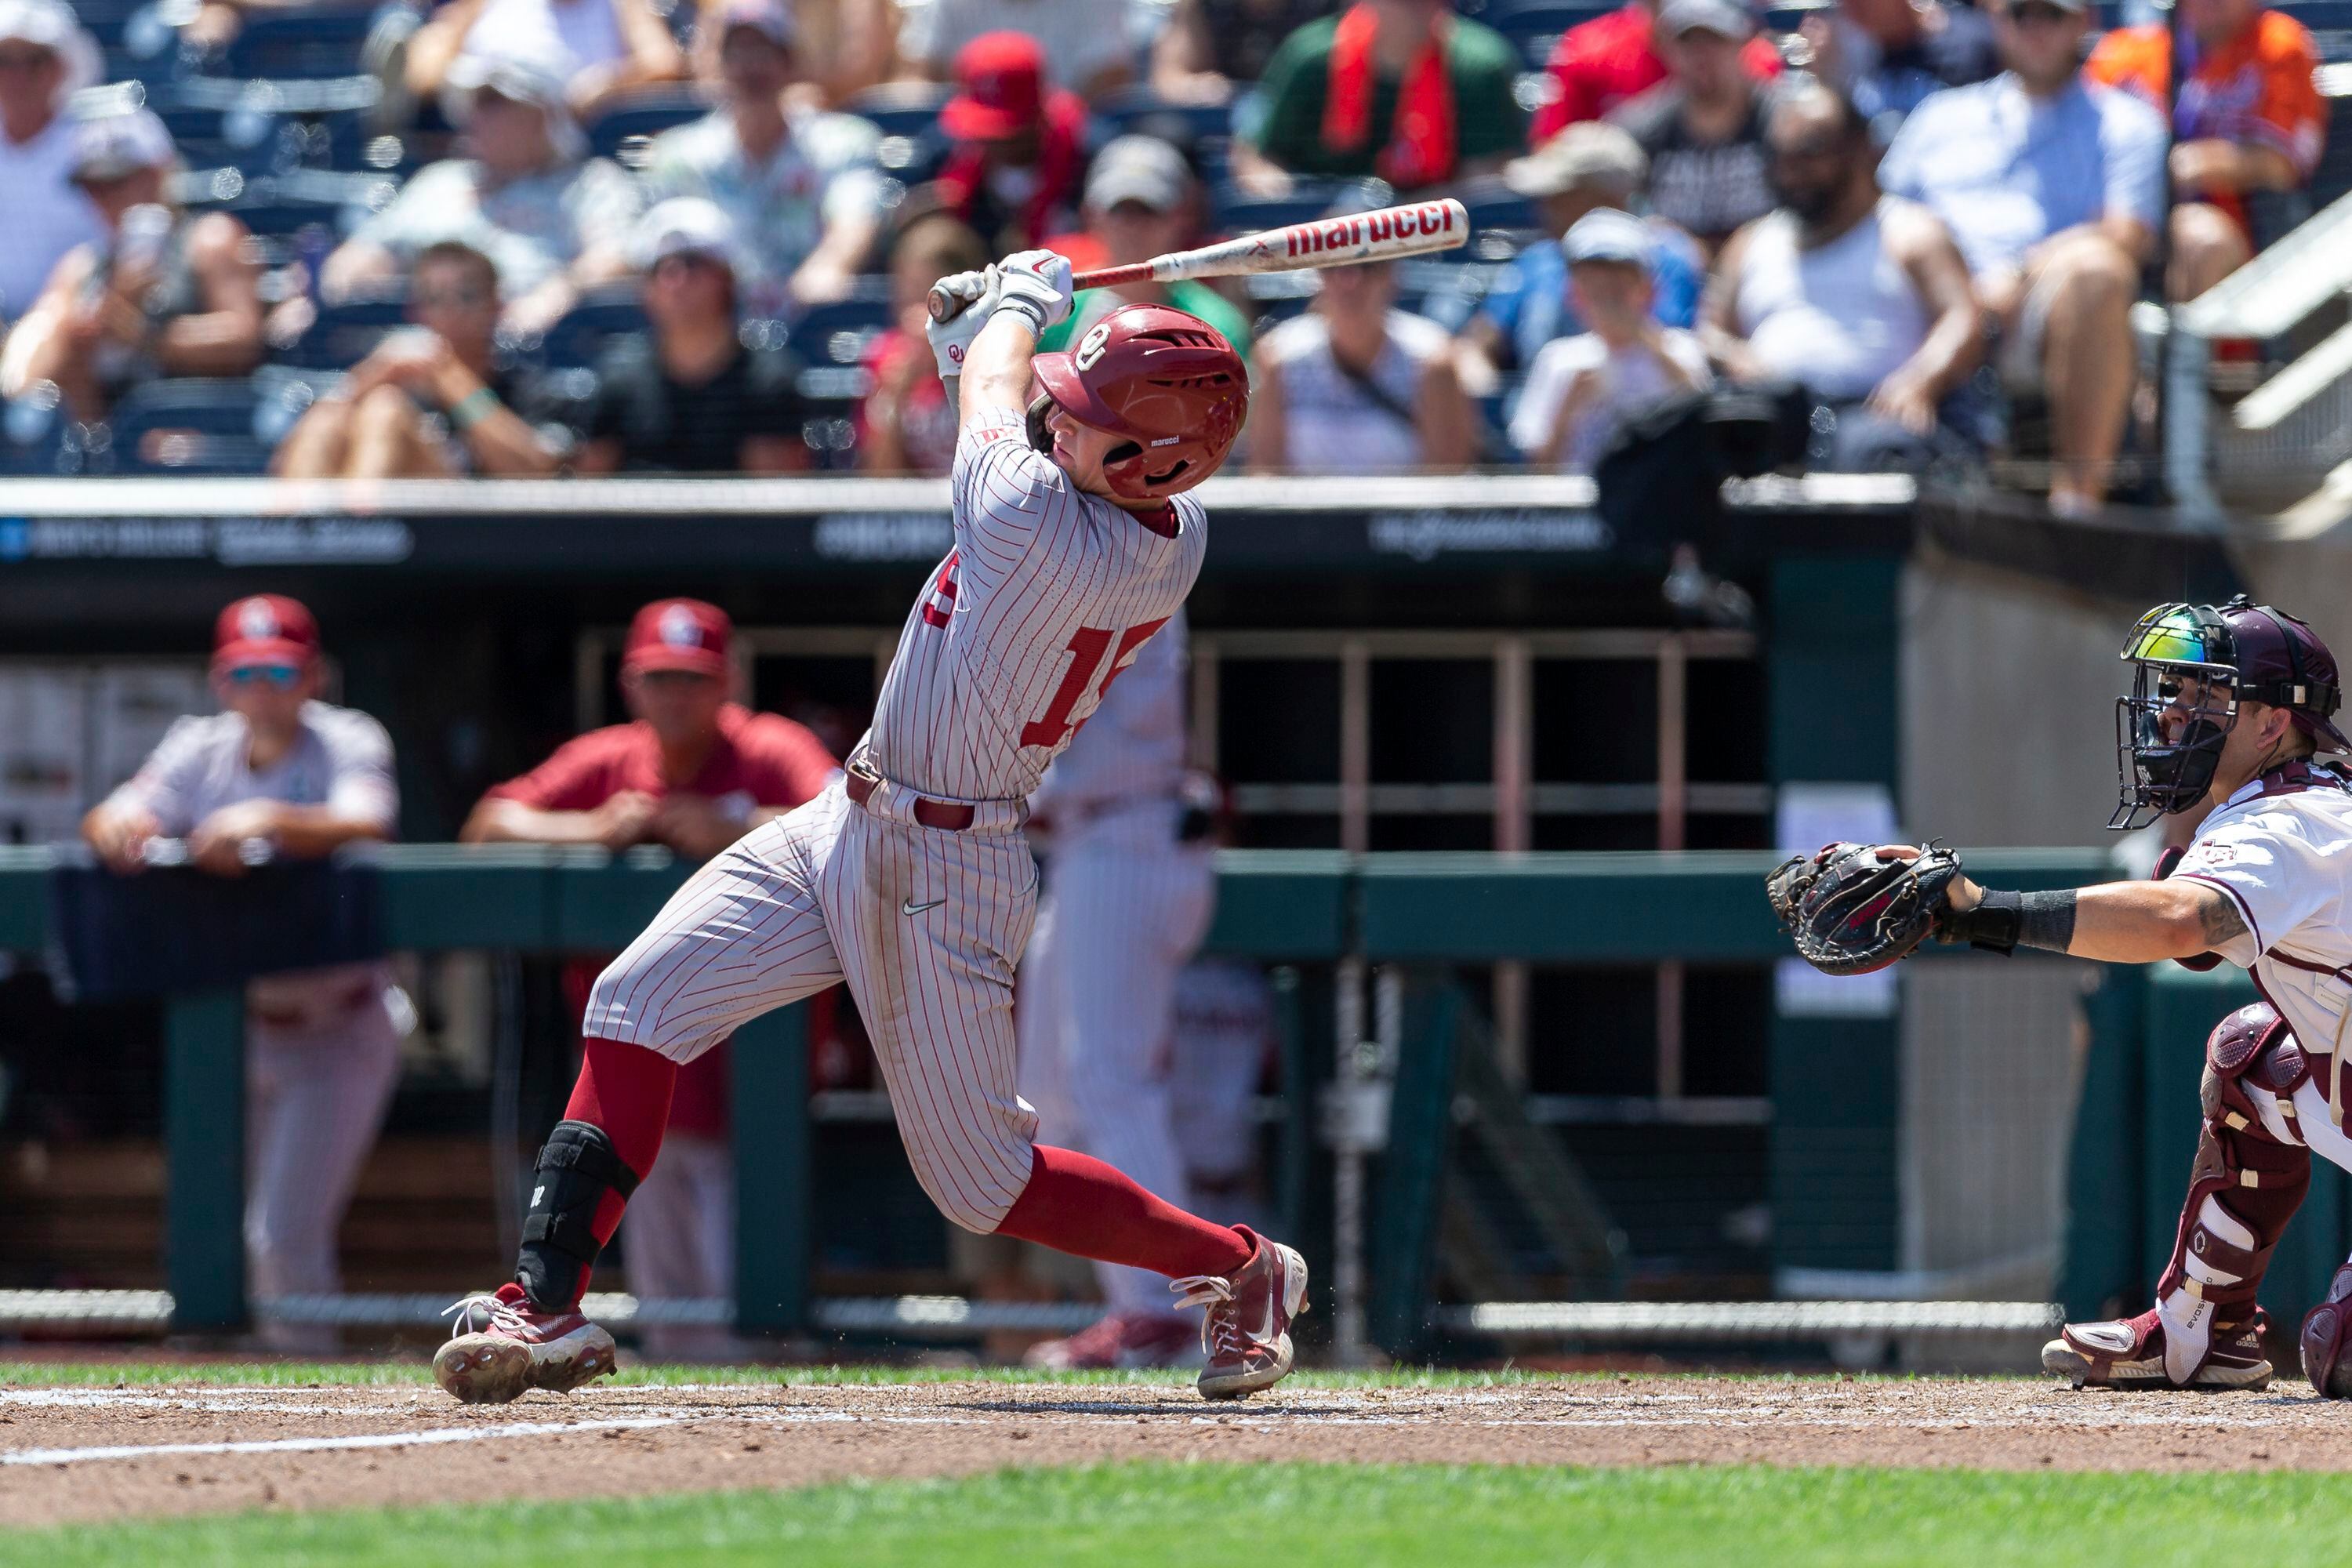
{"x":1165,"y":380}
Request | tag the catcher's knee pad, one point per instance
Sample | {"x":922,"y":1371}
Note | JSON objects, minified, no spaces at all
{"x":2325,"y":1337}
{"x":577,"y":1167}
{"x":2250,"y":1172}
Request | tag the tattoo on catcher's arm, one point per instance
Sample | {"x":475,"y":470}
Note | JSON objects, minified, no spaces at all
{"x":2219,"y":913}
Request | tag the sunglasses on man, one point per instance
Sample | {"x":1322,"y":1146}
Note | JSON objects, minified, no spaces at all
{"x":276,"y":677}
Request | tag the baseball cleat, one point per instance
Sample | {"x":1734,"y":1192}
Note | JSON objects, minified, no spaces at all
{"x":1122,"y":1341}
{"x":501,"y":1345}
{"x":2129,"y":1353}
{"x":1247,"y":1330}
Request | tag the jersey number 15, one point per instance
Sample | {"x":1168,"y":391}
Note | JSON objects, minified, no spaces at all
{"x":1088,"y":647}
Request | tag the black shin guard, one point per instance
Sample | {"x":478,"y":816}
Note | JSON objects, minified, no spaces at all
{"x":577,"y":1167}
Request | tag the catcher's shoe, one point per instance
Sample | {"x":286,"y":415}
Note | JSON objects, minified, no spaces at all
{"x":501,"y":1345}
{"x":2128,"y":1353}
{"x":1247,"y":1330}
{"x":1122,"y":1341}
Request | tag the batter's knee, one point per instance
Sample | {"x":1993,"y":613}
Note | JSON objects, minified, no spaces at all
{"x":975,"y":1172}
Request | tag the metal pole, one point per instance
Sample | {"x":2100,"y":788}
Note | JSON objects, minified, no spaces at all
{"x":773,"y":1239}
{"x":1348,"y":1167}
{"x":204,"y":1147}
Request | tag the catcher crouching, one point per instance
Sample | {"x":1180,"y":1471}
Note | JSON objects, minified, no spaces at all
{"x":2230,"y":715}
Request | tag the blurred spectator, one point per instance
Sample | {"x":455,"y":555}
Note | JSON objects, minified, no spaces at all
{"x":599,"y":50}
{"x":1210,"y":46}
{"x":163,"y":294}
{"x":2053,"y":187}
{"x":1589,"y":166}
{"x":694,"y":400}
{"x":552,"y":222}
{"x":905,"y":426}
{"x":279,"y":771}
{"x":1141,"y":202}
{"x":1861,"y":298}
{"x":1583,"y":388}
{"x":1889,"y":55}
{"x":431,"y":401}
{"x":2248,"y":120}
{"x":693,"y":770}
{"x":1019,"y":149}
{"x":1085,"y":47}
{"x":1704,"y":127}
{"x":1403,"y":89}
{"x":1356,"y":386}
{"x":44,"y":59}
{"x":840,"y":47}
{"x":1598,"y":65}
{"x":799,"y":182}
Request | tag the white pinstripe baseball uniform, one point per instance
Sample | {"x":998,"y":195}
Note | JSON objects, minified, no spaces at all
{"x":1126,"y":905}
{"x":1046,"y":595}
{"x":322,"y":1050}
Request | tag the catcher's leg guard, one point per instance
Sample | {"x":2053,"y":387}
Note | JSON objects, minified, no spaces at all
{"x":2250,"y":1172}
{"x":577,"y":1167}
{"x":2325,"y":1337}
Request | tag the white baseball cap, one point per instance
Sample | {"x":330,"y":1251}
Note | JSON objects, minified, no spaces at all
{"x":1605,"y":234}
{"x":686,"y":225}
{"x":109,"y":146}
{"x":53,"y":27}
{"x":770,"y":19}
{"x":1138,"y":169}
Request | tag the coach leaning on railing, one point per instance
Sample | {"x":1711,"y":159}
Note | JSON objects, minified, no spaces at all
{"x":275,"y":772}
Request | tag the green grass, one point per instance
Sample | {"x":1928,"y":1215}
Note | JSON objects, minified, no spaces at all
{"x":1296,"y":1516}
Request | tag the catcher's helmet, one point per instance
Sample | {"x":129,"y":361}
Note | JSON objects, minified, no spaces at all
{"x":2234,"y":653}
{"x":1166,"y":381}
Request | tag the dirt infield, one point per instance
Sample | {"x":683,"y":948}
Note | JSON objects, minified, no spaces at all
{"x":90,"y":1453}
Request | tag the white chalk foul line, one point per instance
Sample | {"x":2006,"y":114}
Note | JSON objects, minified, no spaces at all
{"x":318,"y":1444}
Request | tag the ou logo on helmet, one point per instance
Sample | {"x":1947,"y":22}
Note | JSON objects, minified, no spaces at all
{"x":1091,"y":346}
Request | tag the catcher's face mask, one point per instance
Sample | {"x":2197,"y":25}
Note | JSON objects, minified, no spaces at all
{"x":2184,"y":700}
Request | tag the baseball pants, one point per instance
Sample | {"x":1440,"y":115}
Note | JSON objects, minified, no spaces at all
{"x":924,"y":925}
{"x":679,"y":1240}
{"x":315,"y":1096}
{"x":1125,"y":909}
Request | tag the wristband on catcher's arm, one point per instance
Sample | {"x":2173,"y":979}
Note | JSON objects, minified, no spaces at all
{"x":2002,"y":923}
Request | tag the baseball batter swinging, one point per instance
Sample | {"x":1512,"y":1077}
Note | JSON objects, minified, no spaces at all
{"x":909,"y":878}
{"x":2230,"y":709}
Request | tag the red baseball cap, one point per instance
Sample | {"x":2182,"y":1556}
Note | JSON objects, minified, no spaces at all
{"x":267,"y":628}
{"x":1001,"y":78}
{"x":678,"y":633}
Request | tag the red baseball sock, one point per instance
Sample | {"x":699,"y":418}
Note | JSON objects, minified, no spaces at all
{"x":1078,"y":1205}
{"x":623,"y":1090}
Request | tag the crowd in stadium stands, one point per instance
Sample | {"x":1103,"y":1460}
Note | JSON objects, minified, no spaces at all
{"x":605,"y":235}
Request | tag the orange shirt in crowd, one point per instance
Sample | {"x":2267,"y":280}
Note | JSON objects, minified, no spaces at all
{"x":2256,"y":90}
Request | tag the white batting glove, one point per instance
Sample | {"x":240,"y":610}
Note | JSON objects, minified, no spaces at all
{"x":951,"y":339}
{"x":1036,"y":283}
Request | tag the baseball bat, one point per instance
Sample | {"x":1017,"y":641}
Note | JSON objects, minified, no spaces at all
{"x":1414,"y":228}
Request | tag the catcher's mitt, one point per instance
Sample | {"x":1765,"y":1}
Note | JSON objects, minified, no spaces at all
{"x":1851,"y":912}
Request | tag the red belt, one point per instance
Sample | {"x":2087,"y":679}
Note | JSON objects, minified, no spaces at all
{"x":345,"y":1001}
{"x":945,"y":816}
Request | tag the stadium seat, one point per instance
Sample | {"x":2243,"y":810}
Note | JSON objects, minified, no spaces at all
{"x":343,"y":334}
{"x":577,"y":340}
{"x":622,"y":132}
{"x":902,"y":108}
{"x":303,"y":46}
{"x":1131,"y":106}
{"x":191,"y":426}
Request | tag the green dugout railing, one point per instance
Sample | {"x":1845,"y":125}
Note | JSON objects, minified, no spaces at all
{"x":1422,"y":911}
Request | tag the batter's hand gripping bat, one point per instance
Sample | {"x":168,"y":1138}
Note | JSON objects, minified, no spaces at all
{"x":1414,"y":228}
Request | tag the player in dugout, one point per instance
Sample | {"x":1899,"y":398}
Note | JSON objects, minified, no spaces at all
{"x":695,"y":770}
{"x":2230,"y":728}
{"x":280,"y":772}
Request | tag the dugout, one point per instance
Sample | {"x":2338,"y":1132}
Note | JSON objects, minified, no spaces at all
{"x":1425,"y":665}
